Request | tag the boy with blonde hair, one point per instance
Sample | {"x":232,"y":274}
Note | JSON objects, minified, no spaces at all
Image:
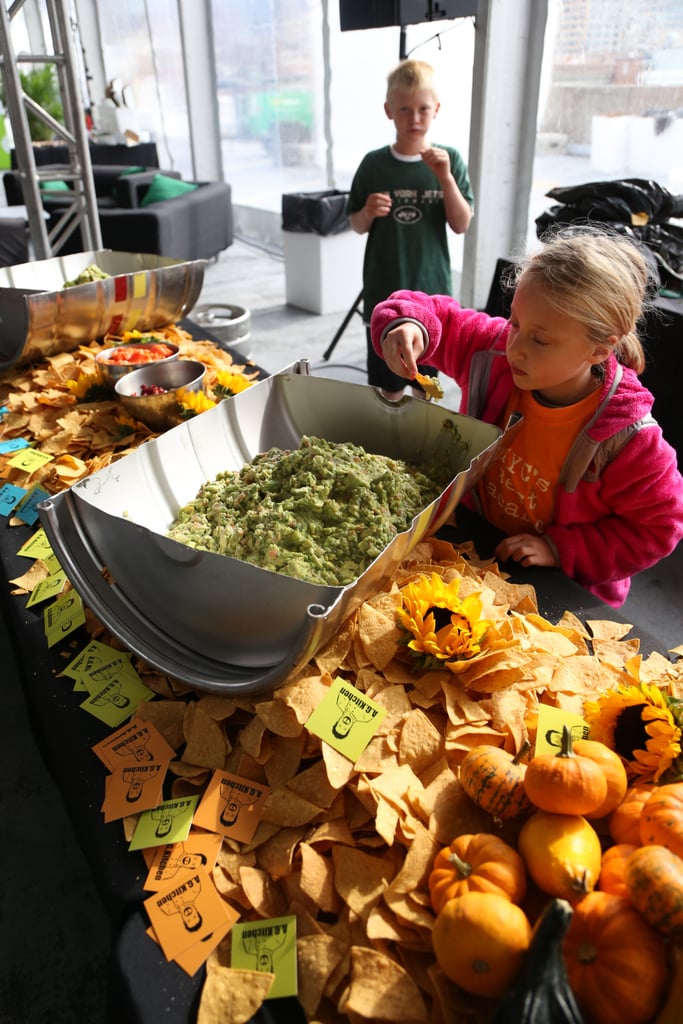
{"x":404,"y":196}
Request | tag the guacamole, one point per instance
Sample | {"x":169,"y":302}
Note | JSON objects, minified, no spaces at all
{"x":321,"y":513}
{"x":91,"y":273}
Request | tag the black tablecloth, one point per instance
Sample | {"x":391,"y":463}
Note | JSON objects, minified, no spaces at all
{"x":144,"y":987}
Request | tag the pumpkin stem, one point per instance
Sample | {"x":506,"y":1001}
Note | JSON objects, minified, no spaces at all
{"x":461,"y":866}
{"x":581,"y":884}
{"x":566,"y":745}
{"x":521,"y":752}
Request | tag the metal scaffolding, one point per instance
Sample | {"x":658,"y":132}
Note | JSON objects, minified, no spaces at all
{"x":80,"y":211}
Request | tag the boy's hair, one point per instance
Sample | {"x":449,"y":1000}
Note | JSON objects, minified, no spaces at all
{"x":411,"y":75}
{"x":598,"y":277}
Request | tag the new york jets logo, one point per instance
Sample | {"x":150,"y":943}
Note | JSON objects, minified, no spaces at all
{"x":408,"y":214}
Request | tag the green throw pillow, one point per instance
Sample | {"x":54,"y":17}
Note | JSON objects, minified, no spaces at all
{"x":55,"y":186}
{"x":163,"y":187}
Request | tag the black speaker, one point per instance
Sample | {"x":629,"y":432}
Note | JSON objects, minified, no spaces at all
{"x":359,"y":14}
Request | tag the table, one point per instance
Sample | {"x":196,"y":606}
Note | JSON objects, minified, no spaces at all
{"x":143,"y":986}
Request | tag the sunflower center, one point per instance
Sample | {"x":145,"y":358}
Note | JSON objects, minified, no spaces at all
{"x":442,"y":617}
{"x":629,"y":731}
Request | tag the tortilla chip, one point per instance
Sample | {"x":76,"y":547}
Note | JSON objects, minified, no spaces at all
{"x":232,"y":997}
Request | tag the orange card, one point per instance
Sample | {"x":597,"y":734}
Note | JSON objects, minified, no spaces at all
{"x":190,"y":960}
{"x":137,"y":742}
{"x":231,"y":806}
{"x":187,"y":913}
{"x":138,"y":787}
{"x":171,"y":863}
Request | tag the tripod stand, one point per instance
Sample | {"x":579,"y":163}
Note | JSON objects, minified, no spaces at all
{"x":355,"y":308}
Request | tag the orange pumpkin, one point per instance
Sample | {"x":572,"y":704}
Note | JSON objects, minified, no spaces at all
{"x":562,"y":853}
{"x":613,"y":770}
{"x":623,"y":824}
{"x":494,"y":779}
{"x":613,"y":867}
{"x":661,"y":820}
{"x":565,"y":783}
{"x":616,"y":962}
{"x":480,"y":940}
{"x":476,"y":863}
{"x":671,"y":1011}
{"x":654,"y":879}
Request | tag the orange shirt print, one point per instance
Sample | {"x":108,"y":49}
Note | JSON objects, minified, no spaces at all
{"x":517,"y":491}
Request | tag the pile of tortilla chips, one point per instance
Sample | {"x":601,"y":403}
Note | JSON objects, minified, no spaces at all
{"x":346,"y":847}
{"x":84,"y":436}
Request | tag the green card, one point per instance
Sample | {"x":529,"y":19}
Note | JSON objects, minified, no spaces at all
{"x":270,"y":946}
{"x":47,"y":589}
{"x":29,"y":460}
{"x":87,"y":668}
{"x":346,"y":718}
{"x":116,"y":699}
{"x":37,"y":546}
{"x":170,"y":822}
{"x":62,"y":617}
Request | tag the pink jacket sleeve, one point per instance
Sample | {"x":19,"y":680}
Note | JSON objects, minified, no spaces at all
{"x":455,"y":333}
{"x":626,"y":521}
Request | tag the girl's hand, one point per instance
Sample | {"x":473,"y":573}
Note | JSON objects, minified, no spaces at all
{"x":402,"y":347}
{"x":527,"y":549}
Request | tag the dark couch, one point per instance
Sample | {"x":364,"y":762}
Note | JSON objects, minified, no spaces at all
{"x":195,"y":225}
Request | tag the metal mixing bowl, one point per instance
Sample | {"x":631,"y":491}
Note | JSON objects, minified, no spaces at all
{"x":161,"y":411}
{"x":218,"y":623}
{"x":113,"y":372}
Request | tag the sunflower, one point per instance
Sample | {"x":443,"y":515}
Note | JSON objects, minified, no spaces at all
{"x":193,"y":402}
{"x":641,"y":724}
{"x":229,"y":384}
{"x":439,"y":627}
{"x":88,"y":388}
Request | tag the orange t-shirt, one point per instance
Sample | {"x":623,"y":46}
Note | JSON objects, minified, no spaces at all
{"x":517,"y":491}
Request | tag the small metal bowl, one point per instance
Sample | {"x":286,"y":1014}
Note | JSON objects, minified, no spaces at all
{"x":112,"y":372}
{"x":159,"y":412}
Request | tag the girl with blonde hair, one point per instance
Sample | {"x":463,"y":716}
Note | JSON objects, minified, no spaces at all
{"x":588,"y":482}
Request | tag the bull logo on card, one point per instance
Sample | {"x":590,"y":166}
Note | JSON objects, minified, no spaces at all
{"x":111,"y":695}
{"x":136,"y":778}
{"x":175,"y":858}
{"x":262,"y":942}
{"x":135,"y":747}
{"x":236,"y":796}
{"x":164,"y":816}
{"x":182,"y":901}
{"x":353,"y":709}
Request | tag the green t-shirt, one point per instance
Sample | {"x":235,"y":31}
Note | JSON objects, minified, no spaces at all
{"x":409,"y":248}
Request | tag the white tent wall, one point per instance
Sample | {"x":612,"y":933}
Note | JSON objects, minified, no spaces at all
{"x":487,"y":102}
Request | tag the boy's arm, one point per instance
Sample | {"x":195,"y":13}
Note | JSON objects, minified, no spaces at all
{"x":458,"y":210}
{"x":378,"y":204}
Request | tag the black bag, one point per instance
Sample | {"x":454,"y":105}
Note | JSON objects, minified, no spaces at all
{"x":632,"y":206}
{"x":318,"y":213}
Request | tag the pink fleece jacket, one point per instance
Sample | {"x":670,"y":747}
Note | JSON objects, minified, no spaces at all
{"x":619,"y":505}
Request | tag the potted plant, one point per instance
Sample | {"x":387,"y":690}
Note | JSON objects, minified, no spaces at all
{"x":41,"y":86}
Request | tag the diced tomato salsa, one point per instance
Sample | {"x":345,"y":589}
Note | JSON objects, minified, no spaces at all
{"x":139,"y":354}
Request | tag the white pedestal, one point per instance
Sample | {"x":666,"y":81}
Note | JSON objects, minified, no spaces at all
{"x":323,"y":273}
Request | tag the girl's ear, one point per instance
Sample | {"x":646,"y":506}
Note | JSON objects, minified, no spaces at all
{"x":602,"y":351}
